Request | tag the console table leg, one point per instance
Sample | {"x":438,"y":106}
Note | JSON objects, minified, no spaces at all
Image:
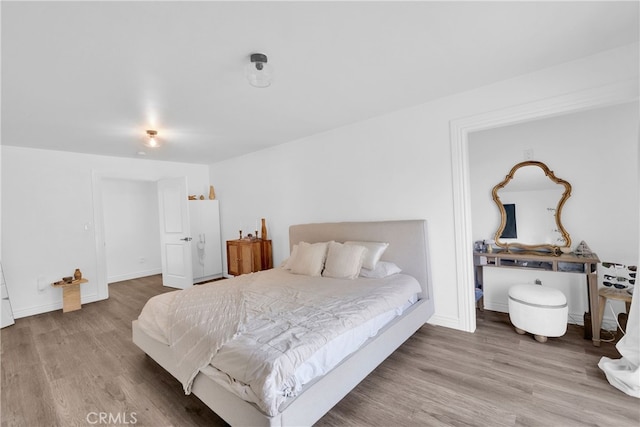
{"x":594,"y":308}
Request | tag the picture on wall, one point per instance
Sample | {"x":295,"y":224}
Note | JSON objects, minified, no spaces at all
{"x":510,"y":231}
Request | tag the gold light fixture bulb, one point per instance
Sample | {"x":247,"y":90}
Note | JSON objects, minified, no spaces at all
{"x":152,"y":141}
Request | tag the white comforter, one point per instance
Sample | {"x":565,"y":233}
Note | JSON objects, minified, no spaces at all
{"x":202,"y":319}
{"x":281,"y":321}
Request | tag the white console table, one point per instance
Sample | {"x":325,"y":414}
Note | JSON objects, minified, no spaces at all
{"x":568,"y":263}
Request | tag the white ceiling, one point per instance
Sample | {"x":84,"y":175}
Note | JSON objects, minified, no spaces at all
{"x":90,"y":77}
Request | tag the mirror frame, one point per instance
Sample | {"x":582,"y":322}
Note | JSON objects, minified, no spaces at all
{"x":556,"y":250}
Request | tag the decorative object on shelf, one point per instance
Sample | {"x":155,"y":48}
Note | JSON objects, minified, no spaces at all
{"x":212,"y":193}
{"x":583,"y":249}
{"x":258,"y":72}
{"x":240,"y":232}
{"x":67,"y":279}
{"x":264,"y":230}
{"x":201,"y":197}
{"x":152,"y":141}
{"x":192,"y":197}
{"x":77,"y":275}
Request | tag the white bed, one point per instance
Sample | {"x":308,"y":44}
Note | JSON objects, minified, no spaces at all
{"x":407,"y":248}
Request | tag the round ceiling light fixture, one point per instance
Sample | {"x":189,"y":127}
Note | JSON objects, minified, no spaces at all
{"x":152,"y":140}
{"x":258,"y":71}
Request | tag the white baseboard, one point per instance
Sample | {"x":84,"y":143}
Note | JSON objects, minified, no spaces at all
{"x":496,"y":306}
{"x":133,"y":275}
{"x":447,"y":322}
{"x":45,"y":308}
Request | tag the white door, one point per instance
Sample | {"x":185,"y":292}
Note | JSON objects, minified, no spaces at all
{"x":175,"y":238}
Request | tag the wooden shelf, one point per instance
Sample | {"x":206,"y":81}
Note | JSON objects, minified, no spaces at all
{"x":74,"y":282}
{"x":70,"y":294}
{"x":617,"y":294}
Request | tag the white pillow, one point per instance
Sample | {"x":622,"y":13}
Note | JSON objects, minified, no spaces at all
{"x":309,"y":259}
{"x":343,"y":261}
{"x":373,"y":253}
{"x":289,"y":261}
{"x":382,"y":270}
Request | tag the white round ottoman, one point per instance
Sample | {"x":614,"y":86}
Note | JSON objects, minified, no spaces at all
{"x":538,"y":310}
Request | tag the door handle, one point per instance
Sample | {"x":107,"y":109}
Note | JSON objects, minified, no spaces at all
{"x":187,"y":239}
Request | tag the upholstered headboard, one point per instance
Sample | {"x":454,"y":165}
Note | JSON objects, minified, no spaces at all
{"x":408,"y":244}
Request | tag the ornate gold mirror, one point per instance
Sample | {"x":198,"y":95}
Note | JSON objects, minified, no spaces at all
{"x":530,"y":200}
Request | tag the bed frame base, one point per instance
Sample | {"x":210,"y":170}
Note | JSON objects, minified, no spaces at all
{"x":317,"y":399}
{"x":408,"y":247}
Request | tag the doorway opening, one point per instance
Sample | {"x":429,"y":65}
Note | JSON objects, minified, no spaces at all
{"x":460,"y":129}
{"x":132,"y":239}
{"x":111,"y":210}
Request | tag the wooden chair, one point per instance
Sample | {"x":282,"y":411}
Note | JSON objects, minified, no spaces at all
{"x":617,"y":279}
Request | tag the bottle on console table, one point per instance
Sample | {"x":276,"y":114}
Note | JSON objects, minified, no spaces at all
{"x":263,"y":236}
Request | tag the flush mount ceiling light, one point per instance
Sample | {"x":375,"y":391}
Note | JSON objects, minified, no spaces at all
{"x":258,"y":72}
{"x":152,"y":141}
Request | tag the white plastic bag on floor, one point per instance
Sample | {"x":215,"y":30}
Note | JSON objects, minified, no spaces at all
{"x":624,"y":373}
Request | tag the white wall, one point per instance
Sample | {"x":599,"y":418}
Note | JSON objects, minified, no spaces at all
{"x":596,"y":152}
{"x":130,"y":210}
{"x":0,"y":205}
{"x":48,"y":215}
{"x":396,"y":166}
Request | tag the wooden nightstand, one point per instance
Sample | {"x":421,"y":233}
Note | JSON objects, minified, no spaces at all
{"x":70,"y":295}
{"x":248,"y":256}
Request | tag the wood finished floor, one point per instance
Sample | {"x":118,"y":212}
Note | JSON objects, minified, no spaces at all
{"x":65,"y":369}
